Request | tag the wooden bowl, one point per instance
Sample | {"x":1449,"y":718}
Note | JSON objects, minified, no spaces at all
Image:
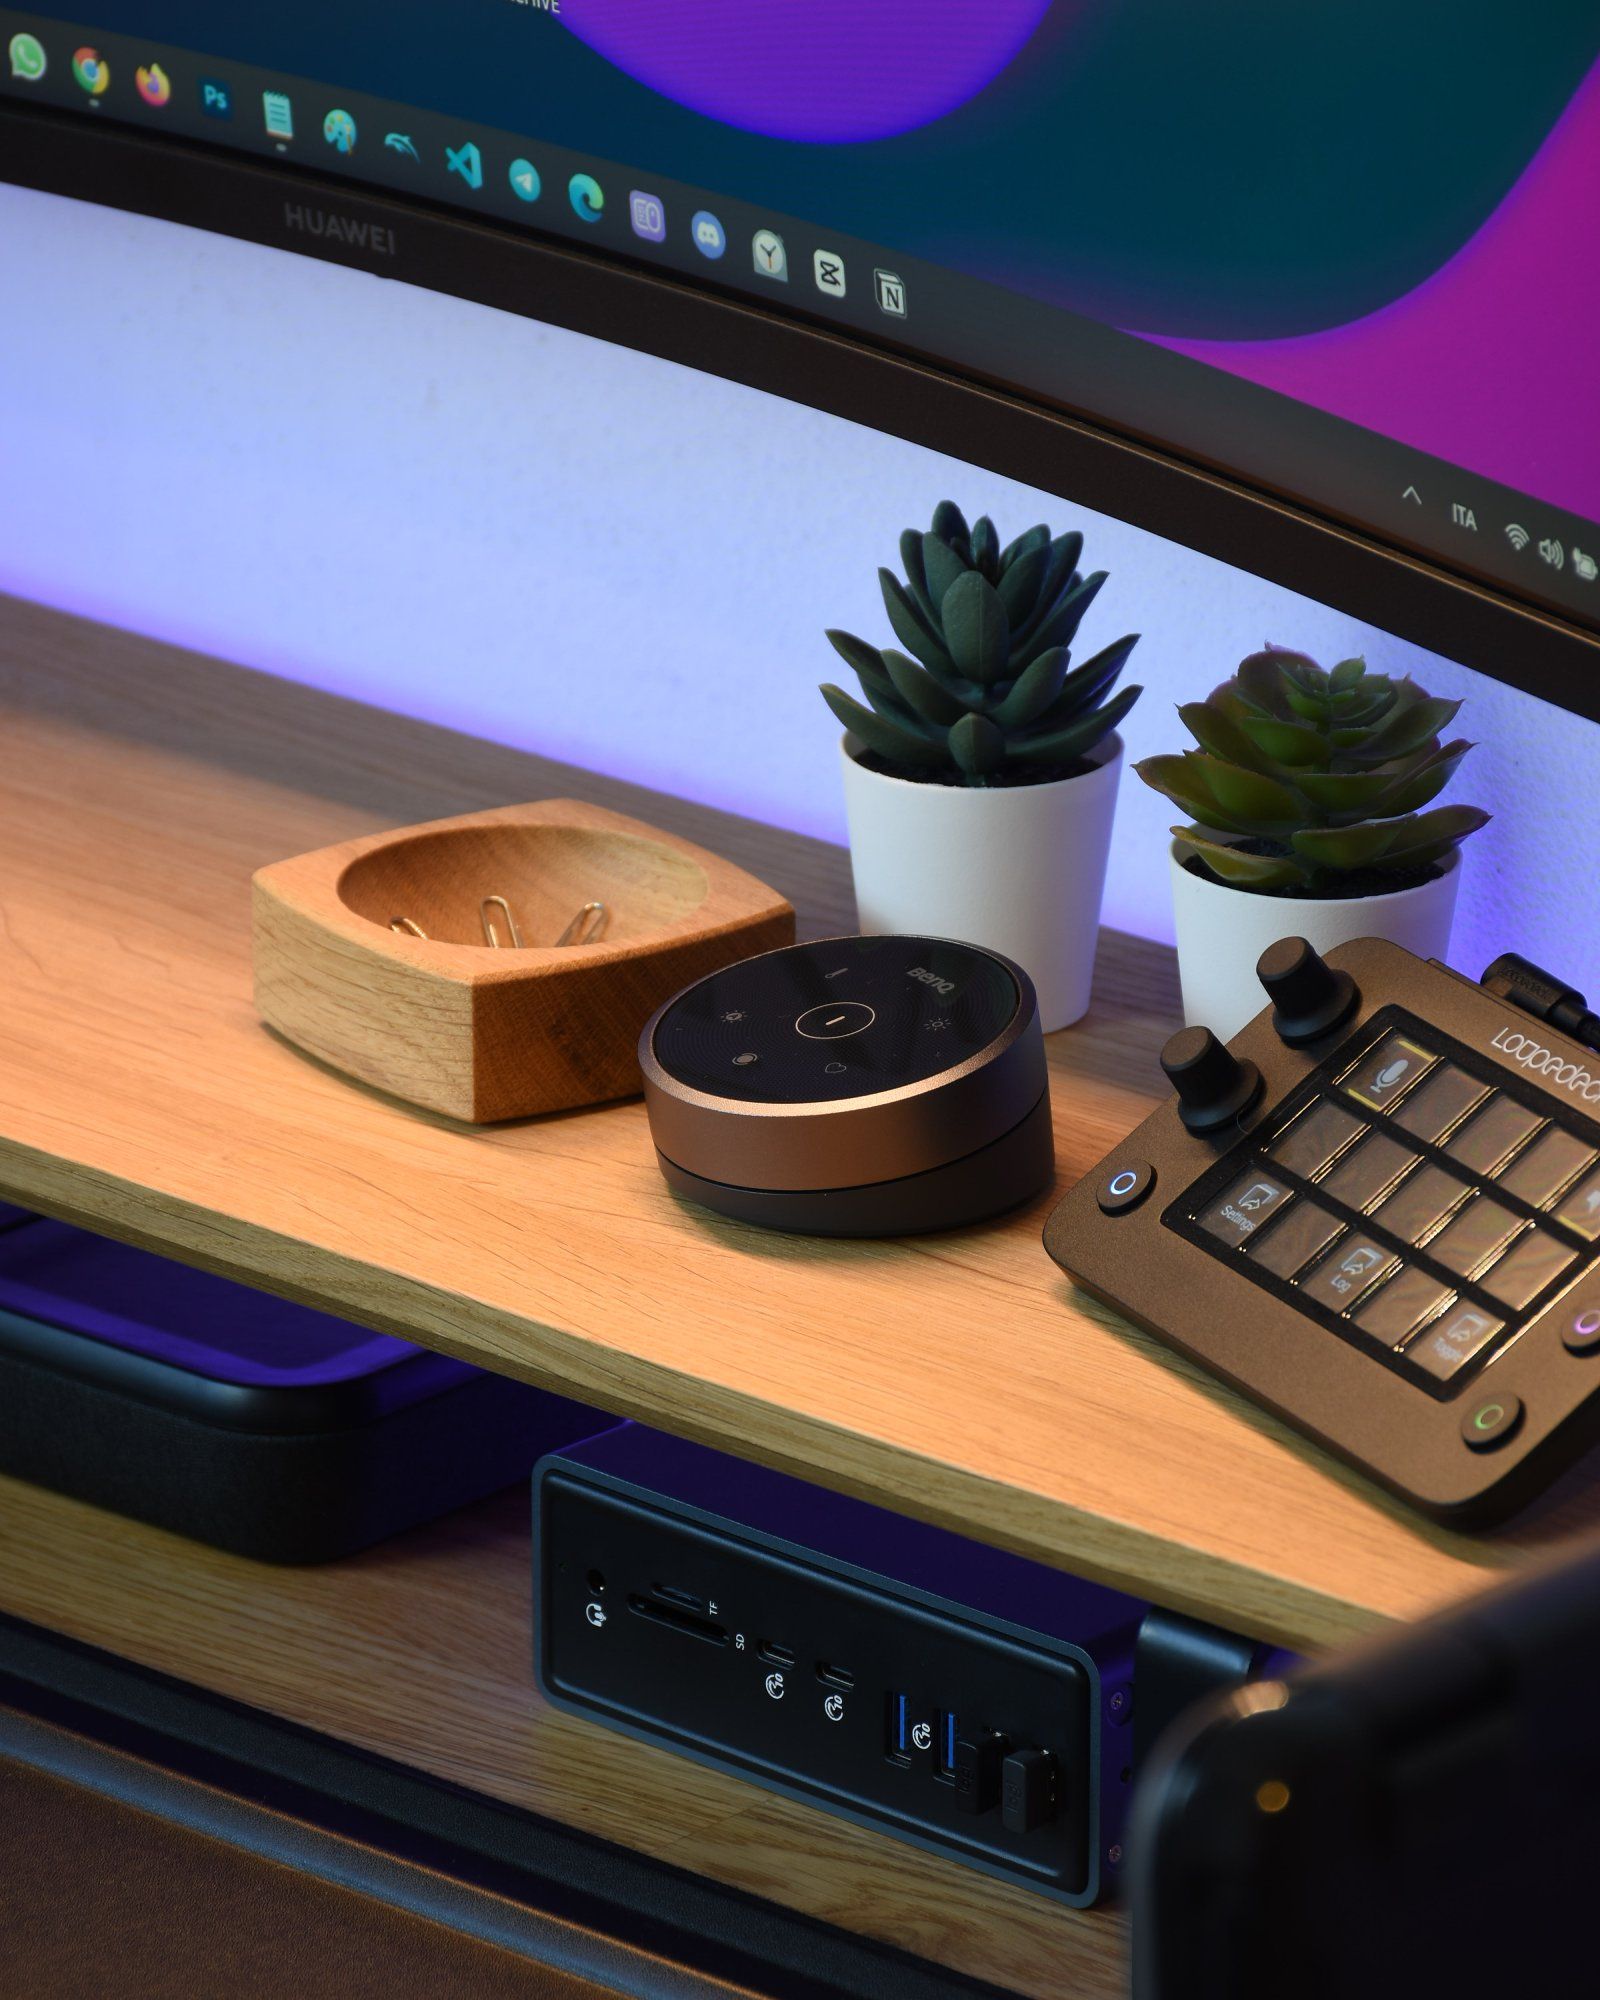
{"x":449,"y":1022}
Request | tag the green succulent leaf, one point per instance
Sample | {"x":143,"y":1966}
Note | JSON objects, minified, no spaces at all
{"x":913,"y":629}
{"x":1084,"y":686}
{"x":1430,"y":835}
{"x":893,"y":741}
{"x":1417,"y":784}
{"x":986,"y":548}
{"x":916,"y":575}
{"x":1288,"y":743}
{"x":1412,"y":725}
{"x":1059,"y":626}
{"x":1346,"y":675}
{"x":1065,"y":746}
{"x":1262,"y":681}
{"x":978,"y":746}
{"x":1182,"y":779}
{"x":1029,"y":540}
{"x":1020,"y":585}
{"x":1214,"y":728}
{"x":1251,"y":798}
{"x":1034,"y":690}
{"x":950,"y":525}
{"x":1357,"y":793}
{"x":1060,"y":576}
{"x":976,"y":628}
{"x":868,"y":665}
{"x":1345,"y":848}
{"x":1238,"y":869}
{"x":942,"y":567}
{"x":921,"y":693}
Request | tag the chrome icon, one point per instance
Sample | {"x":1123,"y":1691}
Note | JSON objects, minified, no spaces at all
{"x":92,"y":71}
{"x":587,"y":197}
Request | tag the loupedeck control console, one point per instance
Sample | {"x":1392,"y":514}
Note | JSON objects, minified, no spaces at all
{"x":966,"y":1700}
{"x":1378,"y":1211}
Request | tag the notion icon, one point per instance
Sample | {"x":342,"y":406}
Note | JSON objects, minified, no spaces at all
{"x":710,"y":238}
{"x":827,"y":267}
{"x":891,"y":291}
{"x":525,"y":182}
{"x":771,"y":259}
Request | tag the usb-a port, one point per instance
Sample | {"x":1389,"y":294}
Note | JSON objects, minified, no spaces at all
{"x":898,"y":1728}
{"x":944,"y":1743}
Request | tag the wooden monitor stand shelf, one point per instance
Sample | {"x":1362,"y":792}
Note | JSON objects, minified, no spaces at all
{"x":958,"y":1378}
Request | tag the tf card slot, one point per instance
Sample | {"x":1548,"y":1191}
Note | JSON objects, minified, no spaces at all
{"x":689,"y":1623}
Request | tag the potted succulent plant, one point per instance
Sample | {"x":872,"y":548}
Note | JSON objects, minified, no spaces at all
{"x":981,"y":772}
{"x":1307,"y":793}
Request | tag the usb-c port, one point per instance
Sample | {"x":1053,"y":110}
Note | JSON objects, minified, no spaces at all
{"x":834,"y":1677}
{"x":774,"y":1654}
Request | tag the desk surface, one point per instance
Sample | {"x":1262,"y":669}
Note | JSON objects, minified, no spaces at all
{"x":419,"y":1651}
{"x":956,"y":1377}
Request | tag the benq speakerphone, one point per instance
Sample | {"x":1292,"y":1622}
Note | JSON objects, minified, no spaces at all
{"x":951,"y":1695}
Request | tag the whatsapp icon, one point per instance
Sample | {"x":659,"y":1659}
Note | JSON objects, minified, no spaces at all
{"x":27,"y":58}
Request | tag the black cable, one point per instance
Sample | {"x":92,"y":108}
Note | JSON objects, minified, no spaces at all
{"x":1542,"y":995}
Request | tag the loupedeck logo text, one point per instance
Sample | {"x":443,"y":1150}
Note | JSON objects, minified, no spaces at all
{"x":1548,"y":1063}
{"x":370,"y":236}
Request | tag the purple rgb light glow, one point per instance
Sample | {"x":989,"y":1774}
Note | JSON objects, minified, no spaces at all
{"x":819,"y":71}
{"x":1491,"y":362}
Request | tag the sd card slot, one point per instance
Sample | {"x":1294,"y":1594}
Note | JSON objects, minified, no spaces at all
{"x":677,"y":1620}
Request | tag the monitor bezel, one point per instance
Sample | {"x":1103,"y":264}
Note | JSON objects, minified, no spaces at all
{"x":411,"y":240}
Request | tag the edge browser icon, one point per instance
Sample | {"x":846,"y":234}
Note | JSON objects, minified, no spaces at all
{"x":466,"y":161}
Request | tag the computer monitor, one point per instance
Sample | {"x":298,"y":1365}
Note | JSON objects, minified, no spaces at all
{"x":1314,"y":290}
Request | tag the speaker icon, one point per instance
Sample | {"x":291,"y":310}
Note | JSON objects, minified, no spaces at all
{"x":1552,"y":551}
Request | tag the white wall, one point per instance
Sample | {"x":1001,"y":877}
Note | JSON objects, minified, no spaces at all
{"x":568,"y":546}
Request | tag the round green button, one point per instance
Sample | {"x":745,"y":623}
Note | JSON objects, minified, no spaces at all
{"x":1491,"y":1422}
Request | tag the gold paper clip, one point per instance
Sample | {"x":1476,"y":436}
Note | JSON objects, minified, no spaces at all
{"x":586,"y":926}
{"x":407,"y":927}
{"x":491,"y":936}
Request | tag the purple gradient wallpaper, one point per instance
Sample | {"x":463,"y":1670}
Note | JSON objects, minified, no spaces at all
{"x":819,"y":71}
{"x":1494,"y":361}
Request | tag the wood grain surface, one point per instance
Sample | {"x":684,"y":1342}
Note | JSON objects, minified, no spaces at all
{"x":427,"y":961}
{"x":956,"y":1377}
{"x":420,"y":1650}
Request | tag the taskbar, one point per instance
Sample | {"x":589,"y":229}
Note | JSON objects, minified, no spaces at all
{"x":1485,"y":531}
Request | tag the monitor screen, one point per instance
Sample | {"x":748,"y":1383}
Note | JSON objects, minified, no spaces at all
{"x":1333,"y":254}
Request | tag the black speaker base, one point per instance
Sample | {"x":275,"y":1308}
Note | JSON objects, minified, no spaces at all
{"x":1007,"y":1172}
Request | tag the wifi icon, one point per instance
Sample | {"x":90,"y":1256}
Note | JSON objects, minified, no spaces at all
{"x":1517,"y":536}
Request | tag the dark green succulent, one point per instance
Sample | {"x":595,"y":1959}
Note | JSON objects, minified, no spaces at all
{"x":1322,"y":774}
{"x":991,"y":696}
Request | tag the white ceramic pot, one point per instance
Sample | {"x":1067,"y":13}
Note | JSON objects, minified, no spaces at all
{"x":1017,"y":868}
{"x":1223,"y":931}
